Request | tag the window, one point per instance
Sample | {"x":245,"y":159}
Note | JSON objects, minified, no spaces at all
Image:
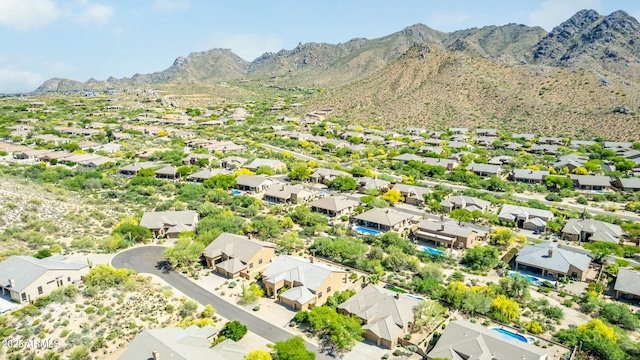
{"x":319,"y":295}
{"x":328,"y":289}
{"x":251,"y":266}
{"x":259,"y":261}
{"x":69,"y":279}
{"x":24,"y":296}
{"x":40,"y":290}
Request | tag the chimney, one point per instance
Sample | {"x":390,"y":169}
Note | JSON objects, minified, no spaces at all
{"x":155,"y":354}
{"x":441,"y":227}
{"x":311,"y":259}
{"x":397,"y":295}
{"x":12,"y":283}
{"x":550,"y":253}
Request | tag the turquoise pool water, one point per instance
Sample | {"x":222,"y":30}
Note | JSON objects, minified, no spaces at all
{"x":429,"y":250}
{"x":532,"y":279}
{"x":236,"y":192}
{"x":513,"y":335}
{"x":366,"y":231}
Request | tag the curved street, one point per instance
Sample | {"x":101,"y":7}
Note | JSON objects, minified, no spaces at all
{"x":146,"y":259}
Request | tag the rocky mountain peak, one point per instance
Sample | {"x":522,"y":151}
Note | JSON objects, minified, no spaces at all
{"x":180,"y":61}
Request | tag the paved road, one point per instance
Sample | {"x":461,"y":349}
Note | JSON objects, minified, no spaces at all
{"x":145,"y":259}
{"x":294,"y":154}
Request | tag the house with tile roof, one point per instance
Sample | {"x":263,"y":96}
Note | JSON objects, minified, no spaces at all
{"x":413,"y":194}
{"x":447,"y":164}
{"x":549,"y":260}
{"x":169,"y":223}
{"x":525,"y":217}
{"x":469,"y":203}
{"x":367,"y":183}
{"x":591,"y":230}
{"x":274,"y":164}
{"x":322,"y":175}
{"x":283,"y":193}
{"x":407,"y":157}
{"x":253,"y":184}
{"x":485,"y":170}
{"x":25,"y":278}
{"x":192,"y":343}
{"x":570,"y":161}
{"x":205,"y":174}
{"x":386,"y":316}
{"x":463,"y":340}
{"x":384,"y":219}
{"x":591,"y":182}
{"x":627,"y":284}
{"x":236,"y":255}
{"x":132,"y":169}
{"x":306,"y":282}
{"x":528,"y":176}
{"x":333,"y":206}
{"x":446,"y":234}
{"x":627,"y":184}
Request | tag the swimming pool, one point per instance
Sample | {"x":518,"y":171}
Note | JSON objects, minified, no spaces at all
{"x":429,"y":250}
{"x":366,"y":231}
{"x":236,"y":192}
{"x":532,"y":279}
{"x":514,"y":335}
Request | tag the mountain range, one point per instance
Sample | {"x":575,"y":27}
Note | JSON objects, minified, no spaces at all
{"x":507,"y":72}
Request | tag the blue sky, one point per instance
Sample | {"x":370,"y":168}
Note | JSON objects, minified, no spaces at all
{"x":80,"y":39}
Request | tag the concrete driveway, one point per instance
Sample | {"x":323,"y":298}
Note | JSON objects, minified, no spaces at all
{"x":145,"y":259}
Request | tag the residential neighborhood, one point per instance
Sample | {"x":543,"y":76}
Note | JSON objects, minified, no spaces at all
{"x":401,"y":243}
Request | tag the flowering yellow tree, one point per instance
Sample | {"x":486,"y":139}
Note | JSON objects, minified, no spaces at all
{"x":393,"y":196}
{"x":600,"y":327}
{"x":506,"y":308}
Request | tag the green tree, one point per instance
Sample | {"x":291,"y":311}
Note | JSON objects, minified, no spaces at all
{"x":516,"y":287}
{"x":427,"y":312}
{"x":266,"y":226}
{"x":258,"y":354}
{"x":339,"y":297}
{"x":220,"y":181}
{"x":184,"y":252}
{"x":104,"y":276}
{"x":342,"y":330}
{"x":343,"y":183}
{"x":187,"y":308}
{"x":80,"y":353}
{"x":290,"y":242}
{"x":251,"y":293}
{"x":619,"y":314}
{"x":462,"y":215}
{"x":502,"y":237}
{"x":51,"y":355}
{"x":132,"y":232}
{"x":481,"y":258}
{"x":265,"y":170}
{"x":208,"y":312}
{"x":233,"y":330}
{"x":476,"y":303}
{"x":292,"y":349}
{"x":299,"y":172}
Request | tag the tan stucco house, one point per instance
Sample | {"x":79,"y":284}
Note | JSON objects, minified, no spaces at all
{"x":305,"y":282}
{"x":169,"y":223}
{"x":448,"y":235}
{"x":236,"y":255}
{"x":386,"y":316}
{"x":549,"y":260}
{"x":25,"y":278}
